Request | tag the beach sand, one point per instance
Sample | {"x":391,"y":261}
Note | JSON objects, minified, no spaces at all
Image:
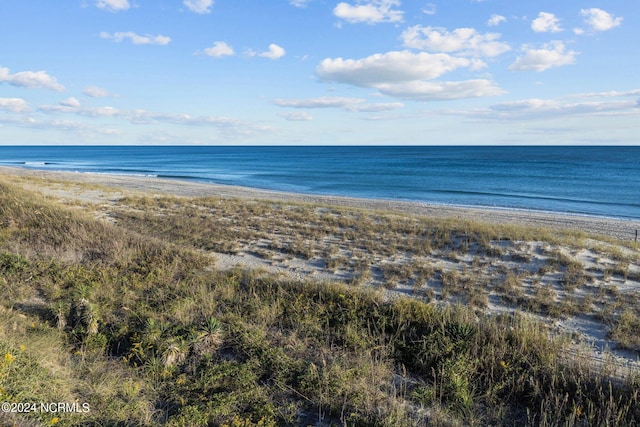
{"x":617,"y":228}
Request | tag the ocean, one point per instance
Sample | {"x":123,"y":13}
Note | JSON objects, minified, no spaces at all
{"x":598,"y":181}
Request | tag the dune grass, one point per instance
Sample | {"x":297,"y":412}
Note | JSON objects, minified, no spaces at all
{"x":461,"y":259}
{"x":132,"y":320}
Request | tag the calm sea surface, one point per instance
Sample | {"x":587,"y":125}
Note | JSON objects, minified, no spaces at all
{"x":603,"y":181}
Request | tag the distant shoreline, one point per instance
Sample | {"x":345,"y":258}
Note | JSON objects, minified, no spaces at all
{"x":582,"y":181}
{"x":623,"y":229}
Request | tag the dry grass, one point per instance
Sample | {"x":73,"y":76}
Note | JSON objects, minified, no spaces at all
{"x":387,"y":250}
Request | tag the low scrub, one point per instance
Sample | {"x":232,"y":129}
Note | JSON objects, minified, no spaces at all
{"x":142,"y":330}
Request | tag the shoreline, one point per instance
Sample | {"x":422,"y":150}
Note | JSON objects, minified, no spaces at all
{"x":287,"y":193}
{"x":623,"y":229}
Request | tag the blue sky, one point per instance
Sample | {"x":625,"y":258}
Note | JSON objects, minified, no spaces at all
{"x":319,"y":72}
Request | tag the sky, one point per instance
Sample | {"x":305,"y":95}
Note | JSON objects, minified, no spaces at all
{"x":319,"y":72}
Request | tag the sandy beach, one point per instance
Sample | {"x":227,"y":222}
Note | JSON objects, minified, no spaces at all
{"x":617,"y":228}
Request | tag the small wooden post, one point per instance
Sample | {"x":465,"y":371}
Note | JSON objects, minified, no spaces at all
{"x":636,"y":236}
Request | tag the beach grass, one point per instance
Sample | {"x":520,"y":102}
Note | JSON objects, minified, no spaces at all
{"x":130,"y":316}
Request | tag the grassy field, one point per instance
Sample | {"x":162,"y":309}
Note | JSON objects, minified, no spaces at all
{"x":129,"y":317}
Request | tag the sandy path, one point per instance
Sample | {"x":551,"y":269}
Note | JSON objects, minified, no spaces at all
{"x":622,"y":229}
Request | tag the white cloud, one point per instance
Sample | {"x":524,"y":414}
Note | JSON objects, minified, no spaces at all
{"x":94,"y":112}
{"x":464,"y":41}
{"x":274,"y":52}
{"x":136,"y":39}
{"x":526,"y":105}
{"x":375,"y":107}
{"x":546,"y":23}
{"x":496,"y":20}
{"x":99,"y":112}
{"x":581,"y":104}
{"x":429,"y":9}
{"x":70,"y":102}
{"x":299,"y":3}
{"x":113,"y":5}
{"x":14,"y":105}
{"x":30,"y":79}
{"x":405,"y":74}
{"x":226,"y":125}
{"x":297,"y":116}
{"x":95,"y":92}
{"x":219,"y":49}
{"x":229,"y":126}
{"x":613,"y":93}
{"x":20,"y":121}
{"x":59,"y":125}
{"x":441,"y":91}
{"x":199,"y":6}
{"x":599,"y":20}
{"x":371,"y":12}
{"x":320,"y":102}
{"x":396,"y":66}
{"x":348,"y":104}
{"x":390,"y":67}
{"x":537,"y":108}
{"x":550,"y":55}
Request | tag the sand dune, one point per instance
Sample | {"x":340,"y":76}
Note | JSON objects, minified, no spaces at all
{"x":525,"y":259}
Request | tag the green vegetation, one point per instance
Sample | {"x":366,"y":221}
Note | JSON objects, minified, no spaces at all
{"x":131,"y":319}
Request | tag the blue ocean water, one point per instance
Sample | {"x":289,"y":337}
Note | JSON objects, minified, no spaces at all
{"x":601,"y":181}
